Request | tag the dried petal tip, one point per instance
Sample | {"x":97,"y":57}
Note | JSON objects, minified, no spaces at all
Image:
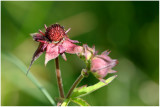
{"x":29,"y":68}
{"x":64,"y":57}
{"x":37,"y":36}
{"x":107,"y":52}
{"x":41,"y":48}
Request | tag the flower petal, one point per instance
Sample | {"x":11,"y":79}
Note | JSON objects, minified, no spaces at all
{"x":51,"y":52}
{"x":72,"y":41}
{"x":87,"y":52}
{"x":107,"y":52}
{"x":37,"y":36}
{"x":61,"y":49}
{"x":112,"y":71}
{"x":98,"y":63}
{"x":99,"y":67}
{"x":64,"y":56}
{"x":41,"y":48}
{"x":71,"y":48}
{"x":102,"y":64}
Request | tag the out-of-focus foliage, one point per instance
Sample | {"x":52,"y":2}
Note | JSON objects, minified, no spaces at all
{"x":128,"y":29}
{"x":12,"y":59}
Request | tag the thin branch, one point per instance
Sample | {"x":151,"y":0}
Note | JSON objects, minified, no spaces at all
{"x":59,"y":79}
{"x":75,"y":84}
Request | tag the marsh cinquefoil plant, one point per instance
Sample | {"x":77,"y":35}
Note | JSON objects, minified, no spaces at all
{"x":55,"y":41}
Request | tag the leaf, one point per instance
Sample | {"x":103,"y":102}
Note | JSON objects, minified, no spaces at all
{"x":80,"y":101}
{"x":79,"y":92}
{"x":13,"y":59}
{"x":66,"y":102}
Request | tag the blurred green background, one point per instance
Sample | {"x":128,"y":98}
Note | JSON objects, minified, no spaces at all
{"x":129,"y":29}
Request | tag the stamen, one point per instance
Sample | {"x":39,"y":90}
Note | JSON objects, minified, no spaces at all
{"x":41,"y":32}
{"x":45,"y":26}
{"x":42,"y":41}
{"x":68,"y":30}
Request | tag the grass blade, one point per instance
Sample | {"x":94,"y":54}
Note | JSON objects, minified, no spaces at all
{"x":13,"y":59}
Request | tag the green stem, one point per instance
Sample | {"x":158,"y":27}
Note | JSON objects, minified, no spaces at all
{"x":75,"y":84}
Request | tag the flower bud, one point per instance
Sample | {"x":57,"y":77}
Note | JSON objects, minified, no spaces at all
{"x":102,"y":64}
{"x":87,"y":52}
{"x":99,"y":65}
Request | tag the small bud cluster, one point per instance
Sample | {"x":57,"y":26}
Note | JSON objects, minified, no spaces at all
{"x":99,"y":65}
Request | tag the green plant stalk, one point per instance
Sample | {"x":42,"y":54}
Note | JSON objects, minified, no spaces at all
{"x":13,"y":59}
{"x":78,"y":80}
{"x":59,"y":78}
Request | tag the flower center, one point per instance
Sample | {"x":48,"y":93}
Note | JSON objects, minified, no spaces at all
{"x":55,"y":33}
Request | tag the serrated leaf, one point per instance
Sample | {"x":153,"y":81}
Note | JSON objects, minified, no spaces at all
{"x":80,"y":101}
{"x":79,"y":92}
{"x":66,"y":102}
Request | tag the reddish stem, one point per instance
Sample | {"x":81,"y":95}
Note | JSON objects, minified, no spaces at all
{"x":59,"y":79}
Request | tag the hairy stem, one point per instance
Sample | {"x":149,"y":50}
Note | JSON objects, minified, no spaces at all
{"x":59,"y":79}
{"x":75,"y":84}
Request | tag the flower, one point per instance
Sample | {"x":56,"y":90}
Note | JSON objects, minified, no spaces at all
{"x":54,"y":42}
{"x":102,"y":64}
{"x":99,"y":65}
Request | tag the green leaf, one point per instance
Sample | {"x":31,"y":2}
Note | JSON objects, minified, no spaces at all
{"x":79,"y":92}
{"x":66,"y":102}
{"x":80,"y":101}
{"x":13,"y":59}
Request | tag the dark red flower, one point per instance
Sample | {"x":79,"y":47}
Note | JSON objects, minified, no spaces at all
{"x":54,"y":42}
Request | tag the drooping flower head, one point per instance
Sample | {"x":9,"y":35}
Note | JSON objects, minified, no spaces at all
{"x":54,"y":42}
{"x":99,"y":65}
